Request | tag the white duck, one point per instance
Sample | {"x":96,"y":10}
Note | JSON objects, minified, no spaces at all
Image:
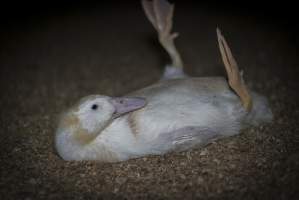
{"x":175,"y":114}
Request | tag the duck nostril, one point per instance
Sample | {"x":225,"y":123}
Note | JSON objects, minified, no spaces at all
{"x":121,"y":101}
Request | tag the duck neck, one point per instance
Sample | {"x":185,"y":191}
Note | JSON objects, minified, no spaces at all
{"x":70,"y":149}
{"x":67,"y":146}
{"x":73,"y":142}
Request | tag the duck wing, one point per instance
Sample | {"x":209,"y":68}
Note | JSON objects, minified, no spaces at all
{"x":185,"y":138}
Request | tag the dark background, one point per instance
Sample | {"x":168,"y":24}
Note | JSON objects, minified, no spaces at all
{"x":53,"y":53}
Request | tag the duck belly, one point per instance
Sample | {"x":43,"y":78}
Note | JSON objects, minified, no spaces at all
{"x":186,"y":112}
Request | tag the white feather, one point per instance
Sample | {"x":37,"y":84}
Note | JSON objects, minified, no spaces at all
{"x":172,"y":105}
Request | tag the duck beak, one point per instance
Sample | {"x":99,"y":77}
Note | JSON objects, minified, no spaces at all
{"x":125,"y":105}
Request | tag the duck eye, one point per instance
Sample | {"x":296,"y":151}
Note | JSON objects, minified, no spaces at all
{"x":94,"y":107}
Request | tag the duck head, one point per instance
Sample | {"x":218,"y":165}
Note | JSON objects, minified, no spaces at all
{"x":84,"y":121}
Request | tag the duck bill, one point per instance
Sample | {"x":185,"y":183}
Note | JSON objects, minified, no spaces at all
{"x":125,"y":105}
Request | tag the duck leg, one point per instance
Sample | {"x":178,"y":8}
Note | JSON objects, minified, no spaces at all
{"x":160,"y":14}
{"x":235,"y":77}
